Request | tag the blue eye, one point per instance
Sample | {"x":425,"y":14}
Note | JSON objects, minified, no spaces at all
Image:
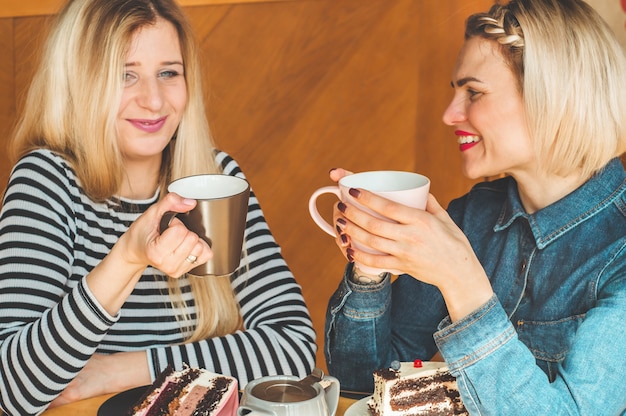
{"x":168,"y":74}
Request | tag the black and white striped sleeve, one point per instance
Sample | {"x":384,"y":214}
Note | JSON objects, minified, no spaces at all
{"x":49,"y":324}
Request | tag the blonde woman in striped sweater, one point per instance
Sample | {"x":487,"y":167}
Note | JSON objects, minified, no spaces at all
{"x":93,"y":299}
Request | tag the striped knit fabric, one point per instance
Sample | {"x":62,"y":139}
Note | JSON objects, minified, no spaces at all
{"x":52,"y":235}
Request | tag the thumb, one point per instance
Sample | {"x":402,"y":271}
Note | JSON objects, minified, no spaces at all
{"x":433,"y":206}
{"x":175,"y":202}
{"x":337,"y":173}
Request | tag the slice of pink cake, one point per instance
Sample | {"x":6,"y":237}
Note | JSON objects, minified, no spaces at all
{"x":191,"y":391}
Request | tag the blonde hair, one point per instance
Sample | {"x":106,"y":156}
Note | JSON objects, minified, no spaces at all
{"x":71,"y":109}
{"x":572,"y":75}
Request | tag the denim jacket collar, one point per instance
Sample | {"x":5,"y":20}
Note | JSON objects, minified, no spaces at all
{"x":556,"y":219}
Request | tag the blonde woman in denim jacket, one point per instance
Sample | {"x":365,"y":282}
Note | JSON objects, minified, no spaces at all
{"x":521,"y":283}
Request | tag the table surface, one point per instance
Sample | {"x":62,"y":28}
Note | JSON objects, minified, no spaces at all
{"x":90,"y":407}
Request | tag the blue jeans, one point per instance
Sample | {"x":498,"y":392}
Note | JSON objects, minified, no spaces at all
{"x":552,"y":340}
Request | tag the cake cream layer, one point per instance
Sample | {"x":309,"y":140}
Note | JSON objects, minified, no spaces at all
{"x":188,"y":392}
{"x":205,"y":394}
{"x":426,"y":390}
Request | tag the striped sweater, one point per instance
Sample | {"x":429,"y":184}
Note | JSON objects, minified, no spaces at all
{"x":52,"y":235}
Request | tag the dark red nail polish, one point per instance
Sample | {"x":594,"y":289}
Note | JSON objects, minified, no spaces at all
{"x":338,"y":228}
{"x":341,"y":221}
{"x":350,"y":255}
{"x":354,"y":192}
{"x":341,"y":207}
{"x":344,"y":238}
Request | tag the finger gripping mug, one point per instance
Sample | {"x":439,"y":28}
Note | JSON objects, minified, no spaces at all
{"x":407,"y":188}
{"x":219,"y":218}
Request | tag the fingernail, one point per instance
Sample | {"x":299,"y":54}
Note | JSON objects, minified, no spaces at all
{"x":341,"y":222}
{"x":354,"y":192}
{"x":350,"y":255}
{"x":344,"y":238}
{"x":341,"y":207}
{"x":188,"y":201}
{"x":331,"y":169}
{"x":338,"y":228}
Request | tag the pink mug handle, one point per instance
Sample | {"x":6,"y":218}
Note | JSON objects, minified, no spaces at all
{"x":319,"y":220}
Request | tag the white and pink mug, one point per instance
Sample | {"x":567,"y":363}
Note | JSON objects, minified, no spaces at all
{"x":408,"y":188}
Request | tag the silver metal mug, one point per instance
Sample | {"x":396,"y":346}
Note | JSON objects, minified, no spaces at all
{"x":219,"y":218}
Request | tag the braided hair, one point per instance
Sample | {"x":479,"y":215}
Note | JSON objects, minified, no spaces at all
{"x":570,"y":71}
{"x":501,"y":25}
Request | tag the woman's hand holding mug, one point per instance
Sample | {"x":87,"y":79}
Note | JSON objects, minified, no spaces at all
{"x":407,"y":188}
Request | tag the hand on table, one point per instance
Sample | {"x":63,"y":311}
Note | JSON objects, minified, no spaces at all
{"x":105,"y":374}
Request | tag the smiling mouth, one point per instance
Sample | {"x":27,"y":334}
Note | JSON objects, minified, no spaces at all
{"x":149,"y":126}
{"x":467,"y":141}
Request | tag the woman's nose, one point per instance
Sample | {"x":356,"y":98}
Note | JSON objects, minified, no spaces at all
{"x":455,"y":113}
{"x":150,"y":95}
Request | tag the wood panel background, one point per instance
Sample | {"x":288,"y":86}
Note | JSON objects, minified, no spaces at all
{"x":295,"y":88}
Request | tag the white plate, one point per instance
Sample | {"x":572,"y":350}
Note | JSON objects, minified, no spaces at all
{"x":359,"y":408}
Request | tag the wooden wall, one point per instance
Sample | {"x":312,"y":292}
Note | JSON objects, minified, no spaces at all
{"x":298,"y":87}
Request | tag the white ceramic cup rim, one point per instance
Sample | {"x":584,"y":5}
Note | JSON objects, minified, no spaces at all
{"x":409,"y":188}
{"x":384,"y":181}
{"x":208,"y":186}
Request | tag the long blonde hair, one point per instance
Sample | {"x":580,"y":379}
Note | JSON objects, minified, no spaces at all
{"x":571,"y":71}
{"x":71,"y":109}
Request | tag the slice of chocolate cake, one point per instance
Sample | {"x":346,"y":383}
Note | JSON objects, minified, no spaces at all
{"x":189,"y":392}
{"x":419,"y":388}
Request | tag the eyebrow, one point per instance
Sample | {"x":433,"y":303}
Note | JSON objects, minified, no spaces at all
{"x":464,"y":81}
{"x":165,"y":63}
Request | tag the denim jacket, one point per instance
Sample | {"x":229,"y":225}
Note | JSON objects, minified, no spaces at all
{"x":552,"y":339}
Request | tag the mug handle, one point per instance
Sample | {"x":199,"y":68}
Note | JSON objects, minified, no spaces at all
{"x":319,"y":220}
{"x":166,"y":219}
{"x":332,"y":394}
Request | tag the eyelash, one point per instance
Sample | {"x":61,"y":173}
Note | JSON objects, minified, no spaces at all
{"x":170,"y":74}
{"x":472,"y":94}
{"x":167,"y":74}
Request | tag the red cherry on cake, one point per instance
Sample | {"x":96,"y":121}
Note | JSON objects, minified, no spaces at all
{"x":417,"y":363}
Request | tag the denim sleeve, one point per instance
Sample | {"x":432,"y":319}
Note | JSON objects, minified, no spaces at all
{"x":497,"y":374}
{"x":357,"y":331}
{"x":368,"y":326}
